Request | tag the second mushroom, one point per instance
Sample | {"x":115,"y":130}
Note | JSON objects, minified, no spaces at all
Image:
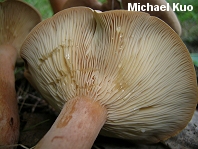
{"x":127,"y":73}
{"x":16,"y":21}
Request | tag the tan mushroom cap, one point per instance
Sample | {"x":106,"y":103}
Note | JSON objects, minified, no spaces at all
{"x":17,"y":19}
{"x":132,"y":63}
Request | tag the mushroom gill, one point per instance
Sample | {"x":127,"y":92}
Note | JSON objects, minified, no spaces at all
{"x":133,"y":64}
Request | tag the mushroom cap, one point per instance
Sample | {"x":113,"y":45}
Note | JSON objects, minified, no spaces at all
{"x":132,"y":63}
{"x":17,"y":19}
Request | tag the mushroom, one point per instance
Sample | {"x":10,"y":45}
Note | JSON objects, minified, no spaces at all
{"x":17,"y":19}
{"x":57,"y":5}
{"x":167,"y":16}
{"x":126,"y":72}
{"x":94,"y":4}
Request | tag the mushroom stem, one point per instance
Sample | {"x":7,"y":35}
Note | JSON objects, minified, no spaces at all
{"x":57,"y":5}
{"x":77,"y":126}
{"x":9,"y":117}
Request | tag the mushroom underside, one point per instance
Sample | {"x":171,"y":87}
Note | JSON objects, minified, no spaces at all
{"x":133,"y":64}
